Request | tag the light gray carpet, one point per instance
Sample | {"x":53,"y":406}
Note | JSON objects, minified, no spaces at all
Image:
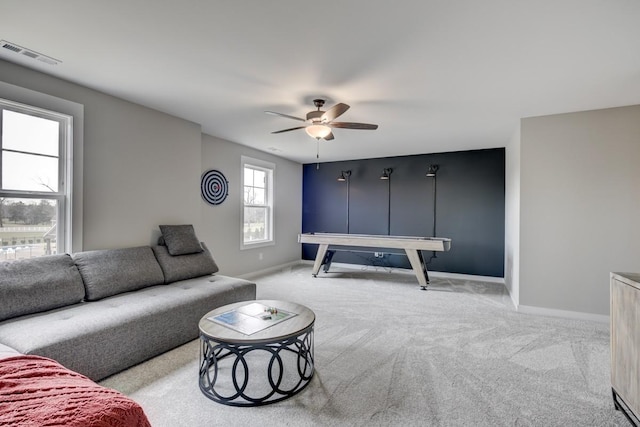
{"x":388,"y":354}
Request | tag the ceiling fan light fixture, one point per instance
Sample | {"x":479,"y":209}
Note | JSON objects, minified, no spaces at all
{"x":318,"y":131}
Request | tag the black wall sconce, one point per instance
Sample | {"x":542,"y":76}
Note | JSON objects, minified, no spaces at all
{"x":345,"y":176}
{"x":386,"y":173}
{"x":431,"y":173}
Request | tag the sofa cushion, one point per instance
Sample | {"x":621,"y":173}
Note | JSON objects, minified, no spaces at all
{"x":38,"y":284}
{"x":100,"y":338}
{"x":113,"y":271}
{"x":180,"y":239}
{"x":6,"y":351}
{"x":181,"y":267}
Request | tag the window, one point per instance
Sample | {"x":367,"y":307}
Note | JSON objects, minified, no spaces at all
{"x":35,"y":172}
{"x":257,"y":203}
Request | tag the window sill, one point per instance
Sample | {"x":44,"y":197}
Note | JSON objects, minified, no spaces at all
{"x":258,"y":244}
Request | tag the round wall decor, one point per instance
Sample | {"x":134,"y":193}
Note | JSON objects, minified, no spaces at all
{"x":214,"y":187}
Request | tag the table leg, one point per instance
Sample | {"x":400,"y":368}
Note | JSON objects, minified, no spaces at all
{"x":418,"y":267}
{"x":327,"y":260}
{"x":322,"y":250}
{"x":226,"y":368}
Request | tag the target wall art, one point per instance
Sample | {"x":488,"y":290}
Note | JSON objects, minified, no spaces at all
{"x":214,"y":187}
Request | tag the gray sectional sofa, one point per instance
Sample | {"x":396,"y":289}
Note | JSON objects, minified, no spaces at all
{"x":99,"y":312}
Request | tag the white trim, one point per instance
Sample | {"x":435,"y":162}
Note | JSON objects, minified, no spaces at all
{"x":270,"y":169}
{"x":552,"y":312}
{"x":256,"y":244}
{"x":257,"y":162}
{"x":257,"y":273}
{"x":470,"y":277}
{"x":32,"y":98}
{"x":513,"y":300}
{"x":62,"y":196}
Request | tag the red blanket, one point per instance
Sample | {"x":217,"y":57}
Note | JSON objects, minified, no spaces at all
{"x":36,"y":391}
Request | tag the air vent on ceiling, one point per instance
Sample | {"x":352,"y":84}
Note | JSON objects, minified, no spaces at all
{"x":12,"y":47}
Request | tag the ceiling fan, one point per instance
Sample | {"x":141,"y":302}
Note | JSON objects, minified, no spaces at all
{"x":319,"y":123}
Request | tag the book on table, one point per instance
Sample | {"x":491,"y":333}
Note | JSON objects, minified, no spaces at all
{"x":251,"y":318}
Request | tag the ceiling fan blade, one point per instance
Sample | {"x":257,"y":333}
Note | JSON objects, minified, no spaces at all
{"x":287,"y":130}
{"x":333,"y":112}
{"x":285,"y":115}
{"x":329,"y":137}
{"x":348,"y":125}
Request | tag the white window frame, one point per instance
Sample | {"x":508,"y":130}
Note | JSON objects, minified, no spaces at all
{"x":270,"y":169}
{"x":62,"y":197}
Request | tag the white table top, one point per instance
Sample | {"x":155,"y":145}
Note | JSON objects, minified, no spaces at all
{"x":375,"y":240}
{"x":287,"y":328}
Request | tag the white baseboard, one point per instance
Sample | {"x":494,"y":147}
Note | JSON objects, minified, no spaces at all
{"x":513,"y":300}
{"x":471,"y":277}
{"x":576,"y":315}
{"x":257,"y":273}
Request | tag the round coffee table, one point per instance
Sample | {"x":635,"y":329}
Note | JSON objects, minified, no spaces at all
{"x":259,"y":368}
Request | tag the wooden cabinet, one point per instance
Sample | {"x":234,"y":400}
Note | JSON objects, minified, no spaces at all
{"x":625,"y":343}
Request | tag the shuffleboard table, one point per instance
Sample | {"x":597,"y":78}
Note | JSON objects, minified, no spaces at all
{"x":413,"y":247}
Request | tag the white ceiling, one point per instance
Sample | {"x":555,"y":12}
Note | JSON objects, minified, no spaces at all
{"x":435,"y":75}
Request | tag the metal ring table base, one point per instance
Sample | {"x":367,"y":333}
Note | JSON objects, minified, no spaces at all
{"x":226,"y":366}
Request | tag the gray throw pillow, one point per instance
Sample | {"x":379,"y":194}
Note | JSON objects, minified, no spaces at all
{"x":184,"y":267}
{"x":180,"y":239}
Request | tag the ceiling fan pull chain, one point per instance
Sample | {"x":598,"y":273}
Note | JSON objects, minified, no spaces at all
{"x":317,"y":153}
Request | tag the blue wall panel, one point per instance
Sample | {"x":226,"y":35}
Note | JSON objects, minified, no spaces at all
{"x":469,"y":207}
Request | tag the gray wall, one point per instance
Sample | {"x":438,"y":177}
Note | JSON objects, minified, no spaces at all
{"x":221,"y":224}
{"x":579,"y":207}
{"x":142,"y":168}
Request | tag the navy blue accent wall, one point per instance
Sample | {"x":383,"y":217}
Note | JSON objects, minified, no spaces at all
{"x":469,"y":207}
